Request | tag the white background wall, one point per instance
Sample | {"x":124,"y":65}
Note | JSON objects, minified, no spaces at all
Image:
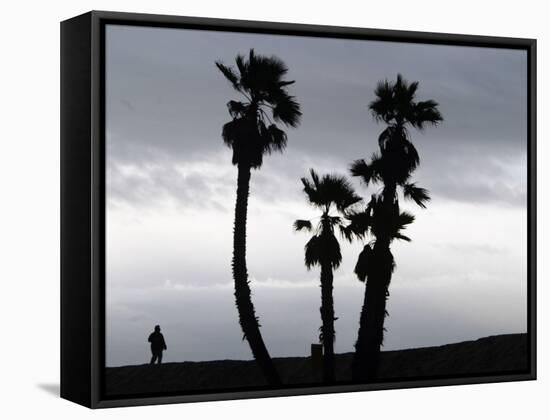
{"x":29,"y":222}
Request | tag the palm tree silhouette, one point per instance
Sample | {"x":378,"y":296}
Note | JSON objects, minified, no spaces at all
{"x":392,"y":167}
{"x":251,"y":134}
{"x":323,"y":249}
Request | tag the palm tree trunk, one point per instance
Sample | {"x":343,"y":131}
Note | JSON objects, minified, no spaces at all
{"x":247,"y":316}
{"x":327,"y":317}
{"x":371,"y":325}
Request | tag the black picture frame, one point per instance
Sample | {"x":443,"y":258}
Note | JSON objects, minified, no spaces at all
{"x":83,"y":200}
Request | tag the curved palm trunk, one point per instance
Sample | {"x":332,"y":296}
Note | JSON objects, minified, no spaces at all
{"x":371,"y":325}
{"x":327,"y":316}
{"x":247,"y":316}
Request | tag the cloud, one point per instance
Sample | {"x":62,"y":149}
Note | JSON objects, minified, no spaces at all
{"x":196,"y":184}
{"x":209,"y":181}
{"x":165,"y":98}
{"x":474,"y":174}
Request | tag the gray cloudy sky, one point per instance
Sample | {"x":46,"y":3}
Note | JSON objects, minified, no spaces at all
{"x":171,"y":191}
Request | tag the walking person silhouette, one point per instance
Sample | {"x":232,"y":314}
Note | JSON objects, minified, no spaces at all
{"x":158,"y":345}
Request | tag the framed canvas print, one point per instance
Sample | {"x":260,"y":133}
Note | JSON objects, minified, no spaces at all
{"x":255,"y":209}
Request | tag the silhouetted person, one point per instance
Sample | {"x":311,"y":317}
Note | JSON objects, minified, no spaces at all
{"x":158,"y":345}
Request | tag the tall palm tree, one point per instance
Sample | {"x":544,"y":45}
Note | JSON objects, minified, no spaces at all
{"x":328,"y":193}
{"x":252,"y":133}
{"x":392,"y":167}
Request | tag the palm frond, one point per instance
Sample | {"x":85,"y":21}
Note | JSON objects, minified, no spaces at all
{"x":252,"y":133}
{"x":313,"y":252}
{"x":350,"y":232}
{"x":426,"y":112}
{"x":392,"y":136}
{"x":323,"y":192}
{"x":362,"y":169}
{"x":402,"y":237}
{"x":302,"y":225}
{"x":285,"y":83}
{"x":404,"y":93}
{"x":230,"y":132}
{"x":334,"y":221}
{"x":409,"y":156}
{"x":275,"y":139}
{"x":385,"y":137}
{"x":368,"y":172}
{"x":405,"y":218}
{"x":363,"y":263}
{"x":412,"y":88}
{"x":286,"y":109}
{"x":242,"y":65}
{"x":395,"y":104}
{"x":338,"y":190}
{"x":331,"y":249}
{"x":245,"y":141}
{"x":419,"y":195}
{"x":322,"y":248}
{"x":268,"y":69}
{"x":347,"y":232}
{"x":358,"y":226}
{"x":237,"y":109}
{"x":400,"y":223}
{"x":229,"y":74}
{"x":311,"y":188}
{"x":382,"y":108}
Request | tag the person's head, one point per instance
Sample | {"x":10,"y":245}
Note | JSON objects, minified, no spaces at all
{"x":157,"y":328}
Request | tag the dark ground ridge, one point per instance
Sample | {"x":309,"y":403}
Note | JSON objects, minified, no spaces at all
{"x":485,"y":356}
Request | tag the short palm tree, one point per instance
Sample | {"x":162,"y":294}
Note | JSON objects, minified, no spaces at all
{"x":392,"y":167}
{"x":252,"y":133}
{"x":326,"y":193}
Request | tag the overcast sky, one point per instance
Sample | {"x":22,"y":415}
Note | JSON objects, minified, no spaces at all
{"x":171,"y":192}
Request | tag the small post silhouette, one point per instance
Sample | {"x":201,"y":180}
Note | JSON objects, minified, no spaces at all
{"x":158,"y":345}
{"x":317,"y":356}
